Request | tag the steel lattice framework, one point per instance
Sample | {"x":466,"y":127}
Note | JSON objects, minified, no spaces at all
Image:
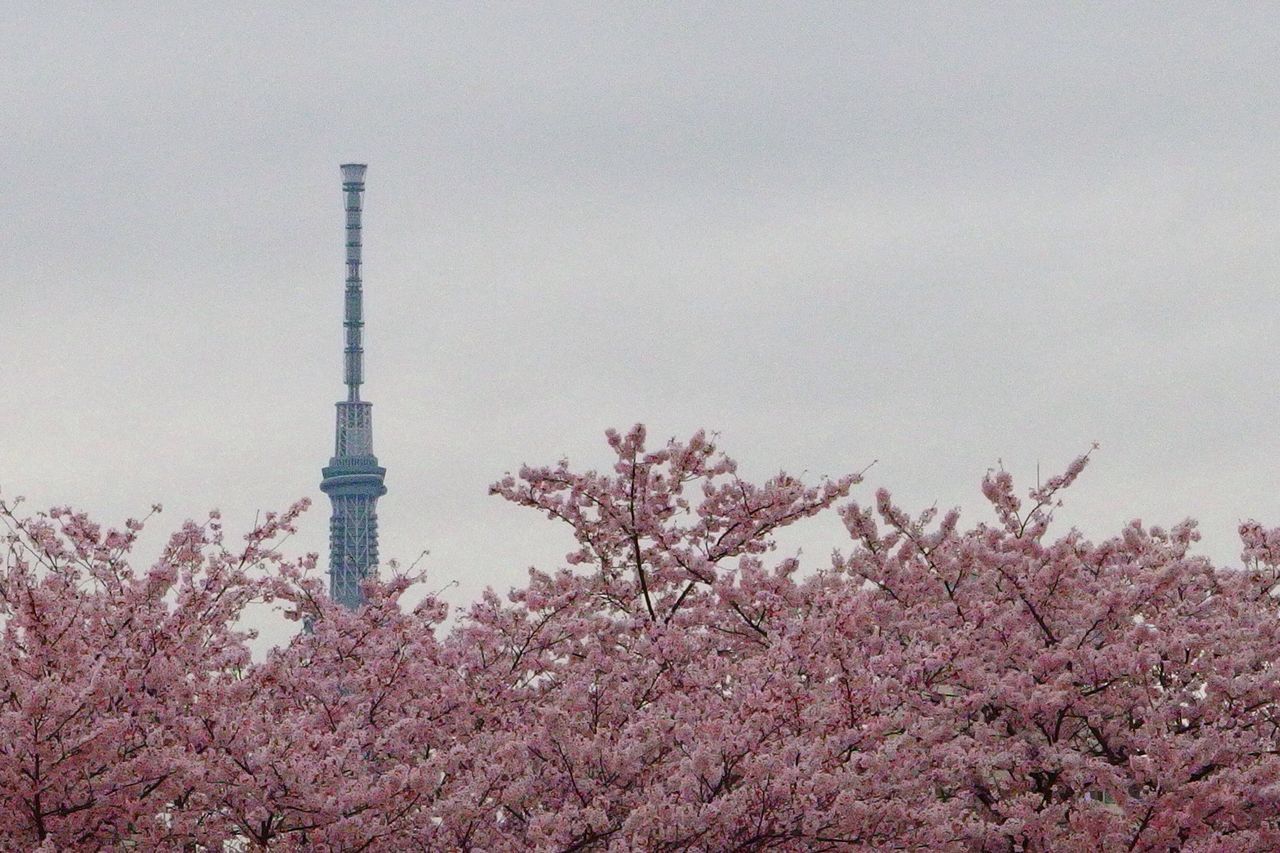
{"x":353,"y":480}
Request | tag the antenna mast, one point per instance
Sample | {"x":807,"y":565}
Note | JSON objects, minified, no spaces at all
{"x":353,"y":318}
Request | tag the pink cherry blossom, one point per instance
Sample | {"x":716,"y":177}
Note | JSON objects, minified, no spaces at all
{"x":677,"y":685}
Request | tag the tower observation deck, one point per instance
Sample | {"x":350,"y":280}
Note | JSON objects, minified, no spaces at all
{"x":352,"y":479}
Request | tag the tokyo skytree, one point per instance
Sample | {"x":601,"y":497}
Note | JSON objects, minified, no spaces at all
{"x":352,"y":480}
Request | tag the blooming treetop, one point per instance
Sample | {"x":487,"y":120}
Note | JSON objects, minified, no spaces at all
{"x":676,"y":686}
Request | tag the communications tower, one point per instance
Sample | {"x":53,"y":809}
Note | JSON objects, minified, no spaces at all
{"x":353,"y":480}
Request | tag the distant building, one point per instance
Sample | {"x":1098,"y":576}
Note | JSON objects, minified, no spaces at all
{"x":352,"y":480}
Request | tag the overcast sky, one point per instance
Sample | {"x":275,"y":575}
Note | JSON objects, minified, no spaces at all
{"x":932,"y":235}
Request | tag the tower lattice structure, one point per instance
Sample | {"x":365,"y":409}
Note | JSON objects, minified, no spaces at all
{"x":352,"y":479}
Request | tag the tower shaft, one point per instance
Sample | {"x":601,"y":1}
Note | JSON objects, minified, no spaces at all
{"x":353,"y":480}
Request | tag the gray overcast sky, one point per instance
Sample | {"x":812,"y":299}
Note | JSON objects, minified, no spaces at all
{"x":936,"y":235}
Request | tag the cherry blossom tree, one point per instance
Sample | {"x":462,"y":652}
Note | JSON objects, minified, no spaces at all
{"x":678,"y":685}
{"x":341,"y":739}
{"x":990,"y":689}
{"x":1061,"y":693}
{"x":102,"y":667}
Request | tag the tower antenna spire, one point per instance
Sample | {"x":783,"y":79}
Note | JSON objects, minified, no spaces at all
{"x":352,"y":479}
{"x":353,"y":316}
